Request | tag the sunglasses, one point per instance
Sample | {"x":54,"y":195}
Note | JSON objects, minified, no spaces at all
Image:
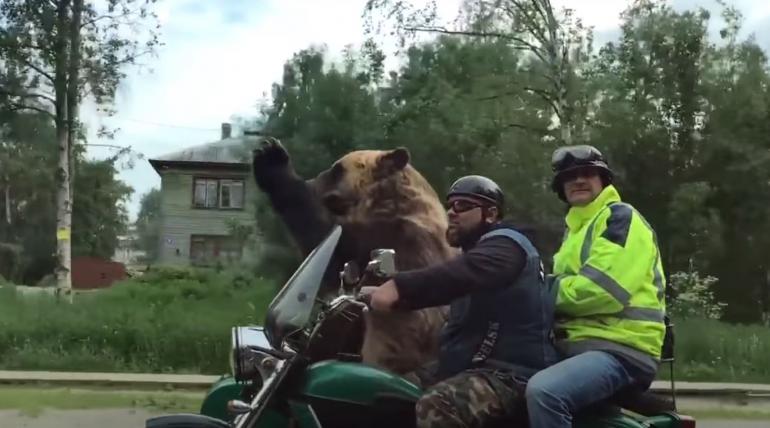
{"x":461,"y":206}
{"x":571,"y":154}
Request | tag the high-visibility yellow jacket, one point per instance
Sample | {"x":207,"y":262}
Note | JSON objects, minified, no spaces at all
{"x":609,"y":277}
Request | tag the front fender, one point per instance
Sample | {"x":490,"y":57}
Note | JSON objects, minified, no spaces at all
{"x":185,"y":420}
{"x":215,"y":403}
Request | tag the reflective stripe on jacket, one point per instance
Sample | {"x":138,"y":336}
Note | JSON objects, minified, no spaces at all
{"x":609,"y":276}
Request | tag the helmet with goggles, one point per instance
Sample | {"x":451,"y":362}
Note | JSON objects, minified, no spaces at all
{"x":568,"y":160}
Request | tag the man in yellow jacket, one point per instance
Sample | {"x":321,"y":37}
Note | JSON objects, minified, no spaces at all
{"x":609,"y":287}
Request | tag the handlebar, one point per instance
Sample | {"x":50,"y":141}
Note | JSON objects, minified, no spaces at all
{"x":366,"y":299}
{"x":361,"y":300}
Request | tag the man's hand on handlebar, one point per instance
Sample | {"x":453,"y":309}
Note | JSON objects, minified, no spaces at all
{"x":380,"y":298}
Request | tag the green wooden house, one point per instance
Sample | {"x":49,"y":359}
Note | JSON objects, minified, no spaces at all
{"x":206,"y":189}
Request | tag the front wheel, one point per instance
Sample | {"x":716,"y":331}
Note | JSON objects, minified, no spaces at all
{"x":185,"y":420}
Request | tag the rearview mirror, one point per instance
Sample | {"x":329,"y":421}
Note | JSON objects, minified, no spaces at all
{"x":383,"y":262}
{"x":350,"y":274}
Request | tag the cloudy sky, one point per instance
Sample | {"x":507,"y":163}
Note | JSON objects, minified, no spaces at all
{"x":221,"y":56}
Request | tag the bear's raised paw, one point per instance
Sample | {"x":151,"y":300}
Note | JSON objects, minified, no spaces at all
{"x":270,"y":154}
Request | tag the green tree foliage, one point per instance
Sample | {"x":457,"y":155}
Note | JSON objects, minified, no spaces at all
{"x":28,"y":158}
{"x":682,"y":116}
{"x":99,"y":215}
{"x":320,"y":111}
{"x":55,"y":53}
{"x":28,"y":147}
{"x":685,"y":120}
{"x":323,"y":110}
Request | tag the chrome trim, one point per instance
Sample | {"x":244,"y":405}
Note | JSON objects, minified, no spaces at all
{"x":250,"y":354}
{"x":346,"y":298}
{"x":250,"y":419}
{"x":259,"y":399}
{"x":237,"y":407}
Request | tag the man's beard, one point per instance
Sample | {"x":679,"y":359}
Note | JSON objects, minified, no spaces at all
{"x":466,"y":238}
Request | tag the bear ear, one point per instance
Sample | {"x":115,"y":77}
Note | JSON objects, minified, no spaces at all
{"x":395,"y":160}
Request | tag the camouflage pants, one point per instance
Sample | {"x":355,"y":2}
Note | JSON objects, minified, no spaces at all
{"x":473,"y":398}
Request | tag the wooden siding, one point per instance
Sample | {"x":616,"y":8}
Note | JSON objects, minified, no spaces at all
{"x":179,"y":220}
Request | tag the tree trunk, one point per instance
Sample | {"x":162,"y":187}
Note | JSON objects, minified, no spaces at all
{"x":8,"y":203}
{"x":557,"y":53}
{"x":63,"y":212}
{"x":566,"y":133}
{"x":63,"y":269}
{"x":73,"y":95}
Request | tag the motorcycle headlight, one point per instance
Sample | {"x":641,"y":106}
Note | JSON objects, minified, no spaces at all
{"x":249,"y":356}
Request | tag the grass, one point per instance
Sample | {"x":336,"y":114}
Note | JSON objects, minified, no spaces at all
{"x":170,"y":320}
{"x":31,"y":401}
{"x":724,"y":414}
{"x":709,"y":350}
{"x":179,"y":321}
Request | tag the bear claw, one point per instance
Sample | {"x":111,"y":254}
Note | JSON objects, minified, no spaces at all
{"x":270,"y":153}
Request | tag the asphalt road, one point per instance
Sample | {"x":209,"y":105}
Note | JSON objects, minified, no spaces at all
{"x":124,"y":418}
{"x":101,"y":418}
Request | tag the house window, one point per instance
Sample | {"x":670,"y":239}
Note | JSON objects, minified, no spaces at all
{"x":208,"y":249}
{"x":231,"y":193}
{"x":218,"y":193}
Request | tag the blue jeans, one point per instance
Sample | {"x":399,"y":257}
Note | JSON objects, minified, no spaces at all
{"x":554,"y":394}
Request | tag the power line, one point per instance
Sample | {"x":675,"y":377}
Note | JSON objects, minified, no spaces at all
{"x":113,"y":146}
{"x":167,"y":125}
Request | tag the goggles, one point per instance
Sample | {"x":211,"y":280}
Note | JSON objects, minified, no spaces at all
{"x":570,"y":155}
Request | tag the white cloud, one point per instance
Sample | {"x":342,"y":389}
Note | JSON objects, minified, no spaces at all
{"x":215,"y":64}
{"x":601,"y":14}
{"x":221,"y":56}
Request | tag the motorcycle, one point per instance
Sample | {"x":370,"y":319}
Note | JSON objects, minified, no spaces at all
{"x":293,"y":372}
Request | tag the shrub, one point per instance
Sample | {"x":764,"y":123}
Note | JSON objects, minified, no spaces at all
{"x":693,"y":296}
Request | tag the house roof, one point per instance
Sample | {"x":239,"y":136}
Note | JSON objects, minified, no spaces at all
{"x":228,"y":152}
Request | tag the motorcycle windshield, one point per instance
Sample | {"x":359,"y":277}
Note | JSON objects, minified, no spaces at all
{"x":292,"y":307}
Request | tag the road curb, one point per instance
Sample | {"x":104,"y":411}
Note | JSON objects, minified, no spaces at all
{"x":186,"y":381}
{"x":127,"y":380}
{"x":713,"y":388}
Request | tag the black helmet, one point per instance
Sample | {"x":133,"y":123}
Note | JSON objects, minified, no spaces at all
{"x":569,"y":158}
{"x":479,"y":187}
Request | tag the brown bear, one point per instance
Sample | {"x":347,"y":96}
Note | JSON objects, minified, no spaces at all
{"x":380,"y":201}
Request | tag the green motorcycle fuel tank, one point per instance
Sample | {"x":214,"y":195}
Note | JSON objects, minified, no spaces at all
{"x":288,"y":373}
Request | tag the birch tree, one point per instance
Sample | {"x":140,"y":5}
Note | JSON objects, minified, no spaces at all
{"x":55,"y":53}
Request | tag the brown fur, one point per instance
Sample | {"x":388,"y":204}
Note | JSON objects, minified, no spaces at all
{"x":377,"y":189}
{"x":381,"y":202}
{"x":388,"y":203}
